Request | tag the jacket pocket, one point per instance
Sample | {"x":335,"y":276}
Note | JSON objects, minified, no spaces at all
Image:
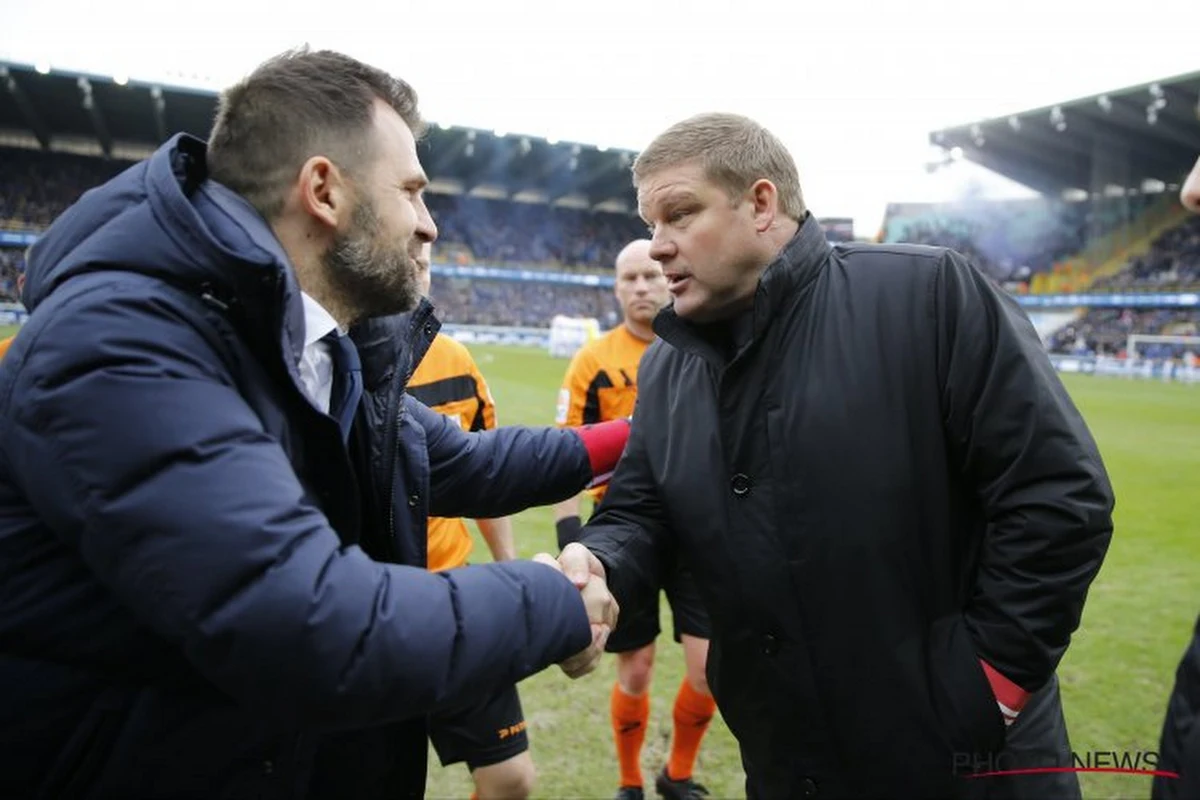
{"x":962,"y":697}
{"x":83,"y":757}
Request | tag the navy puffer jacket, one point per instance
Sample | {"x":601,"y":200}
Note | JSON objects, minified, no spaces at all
{"x":193,"y":595}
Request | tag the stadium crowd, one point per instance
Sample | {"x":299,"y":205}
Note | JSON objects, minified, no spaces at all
{"x":1008,"y":240}
{"x":1105,"y":331}
{"x":1173,"y":264}
{"x":522,"y":304}
{"x":35,"y":187}
{"x":10,"y":266}
{"x":502,"y":232}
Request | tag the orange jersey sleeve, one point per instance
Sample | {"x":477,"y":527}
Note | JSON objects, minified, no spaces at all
{"x":4,"y":345}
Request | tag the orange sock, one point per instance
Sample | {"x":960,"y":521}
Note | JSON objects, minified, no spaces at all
{"x":693,"y":712}
{"x":630,"y":715}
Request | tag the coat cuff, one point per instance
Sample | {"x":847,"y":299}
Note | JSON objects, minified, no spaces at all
{"x":604,"y":442}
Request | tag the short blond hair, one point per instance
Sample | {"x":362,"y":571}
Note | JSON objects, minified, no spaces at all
{"x":735,"y":151}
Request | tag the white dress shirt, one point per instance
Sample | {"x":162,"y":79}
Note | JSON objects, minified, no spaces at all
{"x":316,"y":362}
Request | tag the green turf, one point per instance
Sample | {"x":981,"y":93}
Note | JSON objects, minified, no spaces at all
{"x":1140,"y":612}
{"x":1116,"y":675}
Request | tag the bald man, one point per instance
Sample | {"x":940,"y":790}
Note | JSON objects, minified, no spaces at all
{"x":601,"y":384}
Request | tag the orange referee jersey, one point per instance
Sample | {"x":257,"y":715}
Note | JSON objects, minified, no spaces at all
{"x":601,"y":382}
{"x":448,"y":381}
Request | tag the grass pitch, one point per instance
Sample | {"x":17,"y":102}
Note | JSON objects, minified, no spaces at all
{"x":1115,"y":678}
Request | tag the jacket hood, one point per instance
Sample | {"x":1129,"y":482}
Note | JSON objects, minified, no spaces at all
{"x":163,"y":217}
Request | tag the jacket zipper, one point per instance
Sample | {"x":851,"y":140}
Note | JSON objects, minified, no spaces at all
{"x":397,"y":443}
{"x":391,"y":526}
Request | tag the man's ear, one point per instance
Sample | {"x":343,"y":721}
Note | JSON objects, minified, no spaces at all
{"x":765,"y":199}
{"x":325,"y":193}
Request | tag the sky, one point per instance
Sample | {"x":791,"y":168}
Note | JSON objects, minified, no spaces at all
{"x":852,"y":87}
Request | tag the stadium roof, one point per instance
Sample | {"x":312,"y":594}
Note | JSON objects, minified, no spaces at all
{"x":1080,"y":144}
{"x":117,"y":118}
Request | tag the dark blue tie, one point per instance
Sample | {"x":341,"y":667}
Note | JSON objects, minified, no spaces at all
{"x":347,"y":387}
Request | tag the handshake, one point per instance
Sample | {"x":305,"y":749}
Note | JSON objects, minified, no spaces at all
{"x":587,"y":573}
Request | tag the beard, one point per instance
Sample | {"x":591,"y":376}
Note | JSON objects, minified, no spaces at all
{"x":375,"y":278}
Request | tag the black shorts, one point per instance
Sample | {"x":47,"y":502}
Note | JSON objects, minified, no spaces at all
{"x":486,"y":731}
{"x":638,"y":626}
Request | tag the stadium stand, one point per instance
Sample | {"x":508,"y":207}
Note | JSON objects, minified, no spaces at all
{"x":502,"y":201}
{"x":1105,"y":331}
{"x":518,"y":304}
{"x":529,"y":227}
{"x":505,"y":233}
{"x":1109,"y":169}
{"x":10,"y":266}
{"x":36,"y":186}
{"x":1119,"y":156}
{"x":1171,"y":265}
{"x":1012,"y":240}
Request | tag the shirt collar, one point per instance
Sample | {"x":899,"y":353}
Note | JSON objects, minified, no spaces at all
{"x":317,"y":321}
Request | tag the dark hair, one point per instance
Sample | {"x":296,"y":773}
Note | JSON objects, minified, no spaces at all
{"x":295,"y":106}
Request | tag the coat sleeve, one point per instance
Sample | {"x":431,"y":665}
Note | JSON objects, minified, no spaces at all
{"x":629,"y":532}
{"x":139,"y":453}
{"x":1021,"y":444}
{"x":499,"y":472}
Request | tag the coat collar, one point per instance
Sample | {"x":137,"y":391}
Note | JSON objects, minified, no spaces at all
{"x":793,"y":268}
{"x":398,"y":342}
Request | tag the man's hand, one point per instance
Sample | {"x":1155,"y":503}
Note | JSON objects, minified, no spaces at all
{"x":579,"y":565}
{"x":586,"y":660}
{"x":587,"y":573}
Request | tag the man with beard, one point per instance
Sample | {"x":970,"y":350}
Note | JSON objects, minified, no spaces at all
{"x":601,"y":384}
{"x":201,"y":526}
